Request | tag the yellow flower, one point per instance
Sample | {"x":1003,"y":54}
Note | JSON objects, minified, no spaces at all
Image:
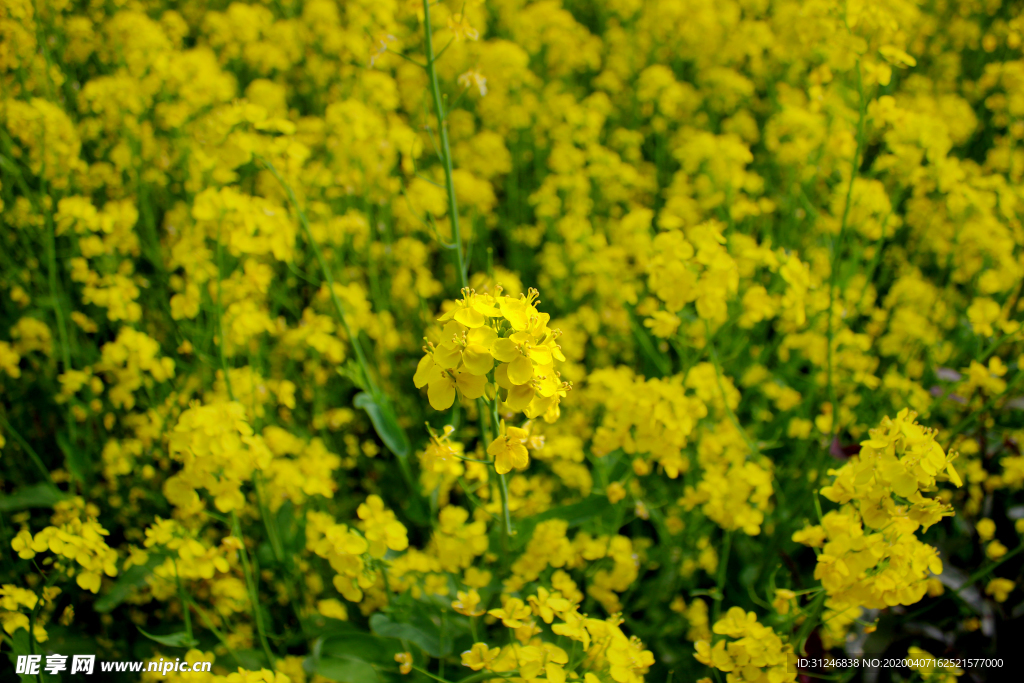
{"x":479,"y":657}
{"x":663,"y":324}
{"x":783,"y":600}
{"x":508,"y":450}
{"x":459,"y":26}
{"x":467,"y":603}
{"x":332,"y":609}
{"x":546,"y":605}
{"x":22,"y":544}
{"x":615,"y":492}
{"x":513,"y":614}
{"x":995,"y":550}
{"x":473,"y":78}
{"x":380,"y":46}
{"x":999,"y":589}
{"x":404,"y":660}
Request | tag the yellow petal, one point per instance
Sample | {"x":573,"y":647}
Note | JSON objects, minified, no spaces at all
{"x":504,"y":350}
{"x":496,"y":447}
{"x":441,"y":393}
{"x":519,"y":397}
{"x":953,"y":476}
{"x":485,"y":307}
{"x":470,"y":317}
{"x":478,"y":360}
{"x":425,"y":371}
{"x":501,"y":376}
{"x":520,"y":371}
{"x":447,"y":357}
{"x":471,"y":386}
{"x":520,"y":456}
{"x":541,"y":355}
{"x":484,"y":336}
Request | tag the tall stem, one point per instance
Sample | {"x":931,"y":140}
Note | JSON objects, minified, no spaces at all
{"x":250,"y":582}
{"x":364,"y":365}
{"x":236,"y":528}
{"x":723,"y":564}
{"x":445,"y":150}
{"x":185,"y":609}
{"x":837,"y":246}
{"x":503,"y":485}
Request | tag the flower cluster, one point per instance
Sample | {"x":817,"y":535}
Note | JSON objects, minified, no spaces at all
{"x":77,"y":544}
{"x":750,"y":652}
{"x":484,"y":329}
{"x":870,"y":554}
{"x":218,"y":452}
{"x":759,"y":227}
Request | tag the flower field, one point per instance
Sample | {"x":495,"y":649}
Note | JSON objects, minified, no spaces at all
{"x":537,"y":341}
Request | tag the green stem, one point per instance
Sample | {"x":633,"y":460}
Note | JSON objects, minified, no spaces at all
{"x":250,"y":583}
{"x":56,"y":293}
{"x":328,"y":278}
{"x":723,"y":564}
{"x":472,"y":498}
{"x":36,"y":460}
{"x":754,"y":450}
{"x":446,"y":157}
{"x":503,"y":486}
{"x":371,"y":387}
{"x":276,"y":546}
{"x":220,"y":323}
{"x":973,"y":417}
{"x":50,"y":580}
{"x":982,"y":573}
{"x":805,"y":630}
{"x":184,"y":604}
{"x":837,"y":246}
{"x":504,"y":506}
{"x":215,"y":631}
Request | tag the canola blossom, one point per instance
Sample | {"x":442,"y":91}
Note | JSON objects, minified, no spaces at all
{"x":511,"y":340}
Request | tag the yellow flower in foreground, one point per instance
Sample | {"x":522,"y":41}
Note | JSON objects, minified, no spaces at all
{"x":508,"y":450}
{"x":513,"y":614}
{"x":480,"y":656}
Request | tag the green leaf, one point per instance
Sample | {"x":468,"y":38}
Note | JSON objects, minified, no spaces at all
{"x":134,"y":577}
{"x":429,"y":642}
{"x":34,"y":496}
{"x":77,"y":462}
{"x":251,"y":660}
{"x":20,"y":646}
{"x":346,"y":669}
{"x":350,"y":371}
{"x":179,"y":639}
{"x":366,"y":646}
{"x":382,"y":415}
{"x":349,"y":656}
{"x":320,"y":626}
{"x":19,"y":643}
